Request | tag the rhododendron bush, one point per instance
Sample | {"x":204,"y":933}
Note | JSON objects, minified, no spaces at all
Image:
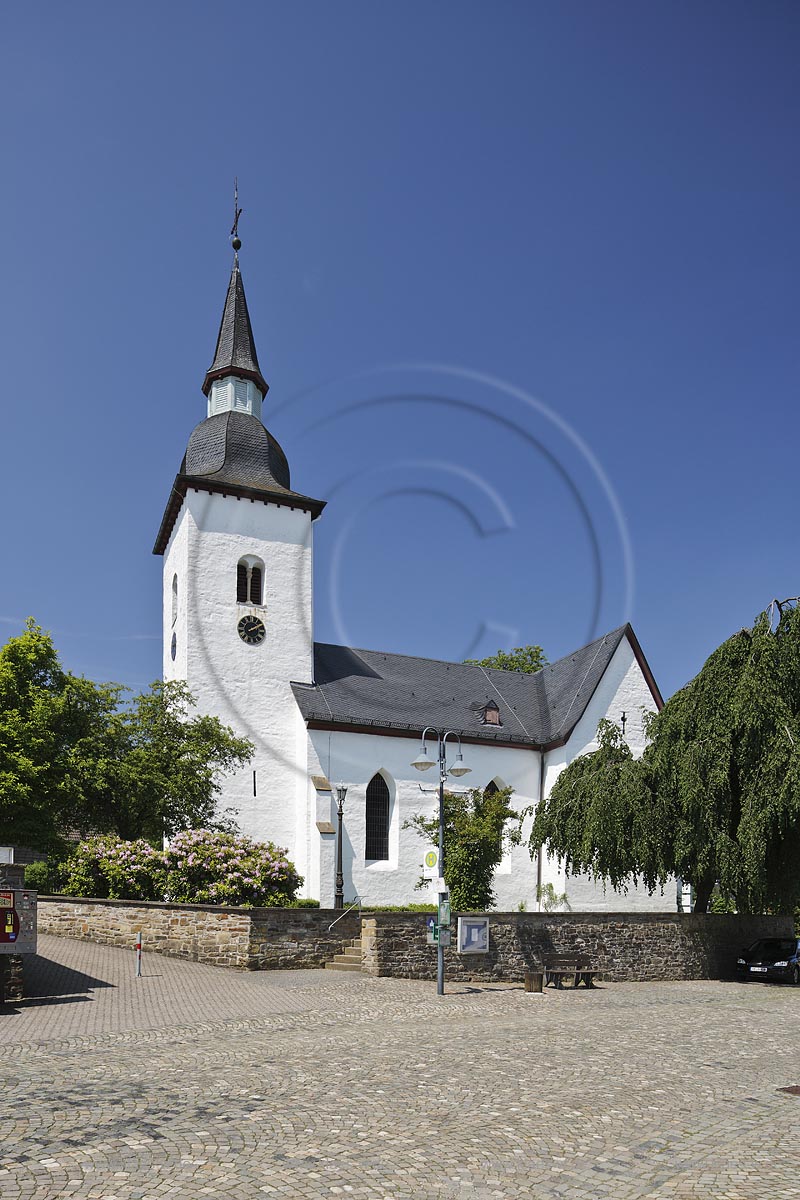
{"x":203,"y":867}
{"x":199,"y":866}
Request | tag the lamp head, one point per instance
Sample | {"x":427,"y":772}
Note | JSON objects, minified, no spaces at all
{"x":341,"y":792}
{"x":423,"y":760}
{"x":459,"y":767}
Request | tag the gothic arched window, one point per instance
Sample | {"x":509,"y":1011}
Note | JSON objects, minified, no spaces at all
{"x":377,"y":819}
{"x":250,"y":581}
{"x":491,"y":788}
{"x":174,"y":600}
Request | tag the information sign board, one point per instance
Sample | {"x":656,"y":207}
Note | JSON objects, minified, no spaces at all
{"x":473,"y":935}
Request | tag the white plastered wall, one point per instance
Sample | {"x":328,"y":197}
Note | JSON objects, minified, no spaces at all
{"x":247,"y":687}
{"x":353,"y":759}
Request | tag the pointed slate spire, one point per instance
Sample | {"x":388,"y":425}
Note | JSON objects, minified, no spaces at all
{"x":236,"y":349}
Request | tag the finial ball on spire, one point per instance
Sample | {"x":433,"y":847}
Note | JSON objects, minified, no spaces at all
{"x":237,"y":243}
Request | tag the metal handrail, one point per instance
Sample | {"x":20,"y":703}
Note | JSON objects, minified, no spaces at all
{"x":356,"y":902}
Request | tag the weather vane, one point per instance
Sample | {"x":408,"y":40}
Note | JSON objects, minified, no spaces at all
{"x":236,"y":241}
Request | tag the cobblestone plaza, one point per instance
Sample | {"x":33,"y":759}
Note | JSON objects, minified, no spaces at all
{"x":194,"y":1081}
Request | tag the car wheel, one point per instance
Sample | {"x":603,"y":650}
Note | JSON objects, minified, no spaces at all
{"x":796,"y":976}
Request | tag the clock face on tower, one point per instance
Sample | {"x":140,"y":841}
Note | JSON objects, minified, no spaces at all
{"x":251,"y":630}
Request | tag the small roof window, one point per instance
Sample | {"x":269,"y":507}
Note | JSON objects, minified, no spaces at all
{"x":490,"y":714}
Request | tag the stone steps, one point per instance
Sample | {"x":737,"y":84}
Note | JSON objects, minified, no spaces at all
{"x":348,"y":960}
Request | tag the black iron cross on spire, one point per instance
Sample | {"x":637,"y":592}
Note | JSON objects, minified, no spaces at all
{"x":237,"y":212}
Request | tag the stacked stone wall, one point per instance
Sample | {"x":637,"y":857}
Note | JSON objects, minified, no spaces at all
{"x":624,"y":946}
{"x":243,"y":938}
{"x":287,"y":938}
{"x":200,"y":933}
{"x":11,"y":978}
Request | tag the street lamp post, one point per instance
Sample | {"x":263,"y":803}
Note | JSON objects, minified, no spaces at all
{"x":423,"y":762}
{"x":338,"y":899}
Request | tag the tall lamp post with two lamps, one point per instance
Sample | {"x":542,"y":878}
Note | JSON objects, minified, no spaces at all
{"x":423,"y":762}
{"x":338,"y":895}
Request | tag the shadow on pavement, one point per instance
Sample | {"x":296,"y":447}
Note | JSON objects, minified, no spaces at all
{"x":48,"y":982}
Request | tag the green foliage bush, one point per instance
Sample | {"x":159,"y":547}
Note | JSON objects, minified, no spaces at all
{"x":474,"y":832}
{"x":200,"y":866}
{"x":45,"y":877}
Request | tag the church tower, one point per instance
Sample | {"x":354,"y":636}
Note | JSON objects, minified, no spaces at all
{"x":237,"y":585}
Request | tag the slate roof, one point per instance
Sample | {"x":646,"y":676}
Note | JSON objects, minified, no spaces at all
{"x":236,"y":348}
{"x":234,"y":447}
{"x":234,"y":454}
{"x":370,"y":690}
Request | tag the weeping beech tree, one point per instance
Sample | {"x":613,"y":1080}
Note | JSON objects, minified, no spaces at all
{"x":716,"y":796}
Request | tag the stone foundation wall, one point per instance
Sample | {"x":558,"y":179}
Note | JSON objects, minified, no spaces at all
{"x":287,"y":938}
{"x":243,"y":938}
{"x":625,"y":946}
{"x":11,"y":978}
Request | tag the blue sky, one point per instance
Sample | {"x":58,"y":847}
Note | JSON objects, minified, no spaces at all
{"x":524,"y":283}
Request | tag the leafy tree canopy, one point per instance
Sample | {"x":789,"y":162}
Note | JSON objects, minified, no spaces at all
{"x":523,"y":658}
{"x":716,"y":795}
{"x":78,"y":757}
{"x":474,"y":830}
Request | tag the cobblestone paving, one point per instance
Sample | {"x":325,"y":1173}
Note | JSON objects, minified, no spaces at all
{"x":195,"y":1082}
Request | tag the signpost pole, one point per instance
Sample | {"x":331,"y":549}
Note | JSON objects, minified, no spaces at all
{"x":139,"y":955}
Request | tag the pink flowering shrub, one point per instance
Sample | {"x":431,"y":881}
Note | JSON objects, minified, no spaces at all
{"x":207,"y":867}
{"x":200,"y":866}
{"x":109,"y":868}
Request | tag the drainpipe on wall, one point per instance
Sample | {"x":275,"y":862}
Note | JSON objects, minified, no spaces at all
{"x":540,"y":851}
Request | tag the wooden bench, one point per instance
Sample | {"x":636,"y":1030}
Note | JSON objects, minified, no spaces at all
{"x":558,"y":968}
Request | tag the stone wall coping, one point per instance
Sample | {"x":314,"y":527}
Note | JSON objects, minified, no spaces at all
{"x":562,"y":918}
{"x":177,"y":905}
{"x":411,"y":918}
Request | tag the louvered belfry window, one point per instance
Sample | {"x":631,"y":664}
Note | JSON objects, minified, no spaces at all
{"x":250,"y":581}
{"x":240,"y":394}
{"x":377,"y":819}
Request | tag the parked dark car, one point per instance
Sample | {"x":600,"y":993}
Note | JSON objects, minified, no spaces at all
{"x":771,"y":958}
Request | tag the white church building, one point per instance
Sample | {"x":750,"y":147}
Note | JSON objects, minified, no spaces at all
{"x":237,"y":545}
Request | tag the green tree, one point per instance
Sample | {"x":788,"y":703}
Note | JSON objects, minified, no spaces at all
{"x":36,"y":730}
{"x":150,"y":768}
{"x":474,"y":831}
{"x":600,"y":816}
{"x":523,"y":658}
{"x":76,"y":758}
{"x":716,"y":795}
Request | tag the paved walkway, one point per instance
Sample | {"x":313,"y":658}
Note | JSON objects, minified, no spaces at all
{"x":195,"y":1082}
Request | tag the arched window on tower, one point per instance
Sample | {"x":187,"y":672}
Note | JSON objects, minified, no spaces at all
{"x":377,"y":819}
{"x":250,"y":581}
{"x":174,"y":598}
